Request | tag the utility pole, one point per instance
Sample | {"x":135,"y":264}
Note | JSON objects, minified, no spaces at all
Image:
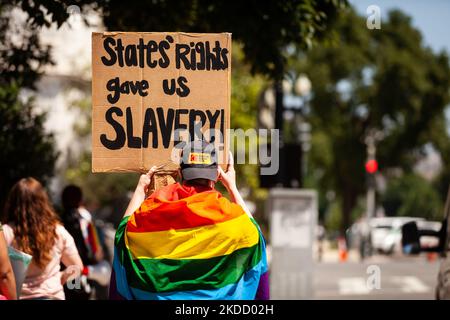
{"x":371,"y":140}
{"x":371,"y":156}
{"x":371,"y":167}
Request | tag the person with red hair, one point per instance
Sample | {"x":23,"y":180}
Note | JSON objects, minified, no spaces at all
{"x":32,"y":226}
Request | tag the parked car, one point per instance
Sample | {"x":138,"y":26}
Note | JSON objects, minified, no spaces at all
{"x":386,"y":233}
{"x":416,"y":238}
{"x":432,"y":227}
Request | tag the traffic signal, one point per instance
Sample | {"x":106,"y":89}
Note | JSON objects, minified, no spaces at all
{"x":371,"y":166}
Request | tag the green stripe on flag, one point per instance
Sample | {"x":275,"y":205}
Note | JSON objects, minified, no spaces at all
{"x":162,"y":275}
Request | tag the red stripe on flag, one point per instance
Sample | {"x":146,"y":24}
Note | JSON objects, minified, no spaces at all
{"x":159,"y":213}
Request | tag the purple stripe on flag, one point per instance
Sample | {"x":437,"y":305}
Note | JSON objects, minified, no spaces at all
{"x":263,"y":292}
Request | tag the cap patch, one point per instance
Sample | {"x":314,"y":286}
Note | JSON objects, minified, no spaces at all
{"x":199,"y":158}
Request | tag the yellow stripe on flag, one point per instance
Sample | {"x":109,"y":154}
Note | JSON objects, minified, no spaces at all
{"x":194,"y":243}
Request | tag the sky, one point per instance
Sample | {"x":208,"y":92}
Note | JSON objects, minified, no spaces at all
{"x":431,"y":17}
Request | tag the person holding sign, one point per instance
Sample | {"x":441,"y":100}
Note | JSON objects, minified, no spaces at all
{"x":187,"y":241}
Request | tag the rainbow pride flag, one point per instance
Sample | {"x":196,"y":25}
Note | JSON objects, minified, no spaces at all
{"x":186,"y":243}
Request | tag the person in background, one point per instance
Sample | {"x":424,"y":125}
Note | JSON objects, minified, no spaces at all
{"x":187,"y":241}
{"x":78,"y":221}
{"x":7,"y":281}
{"x":32,"y":226}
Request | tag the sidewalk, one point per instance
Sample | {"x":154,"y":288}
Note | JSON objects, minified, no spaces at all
{"x":331,"y":255}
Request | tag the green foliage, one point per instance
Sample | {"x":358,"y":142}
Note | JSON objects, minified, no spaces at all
{"x":413,"y":196}
{"x":442,"y":182}
{"x":45,"y":13}
{"x":20,"y":61}
{"x":25,"y":148}
{"x":333,"y":218}
{"x":264,"y":28}
{"x":100,"y":189}
{"x":263,"y":31}
{"x":373,"y":79}
{"x":245,"y":91}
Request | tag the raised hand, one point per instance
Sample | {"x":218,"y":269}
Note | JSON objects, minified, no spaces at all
{"x":228,"y":178}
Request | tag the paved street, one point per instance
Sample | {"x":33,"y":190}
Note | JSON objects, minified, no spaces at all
{"x":401,"y":278}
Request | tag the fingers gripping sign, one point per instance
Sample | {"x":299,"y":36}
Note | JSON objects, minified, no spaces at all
{"x":145,"y":179}
{"x":228,"y":178}
{"x":230,"y":161}
{"x":140,"y":192}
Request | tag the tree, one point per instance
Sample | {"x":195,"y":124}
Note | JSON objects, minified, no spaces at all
{"x":20,"y":61}
{"x":386,"y":80}
{"x":22,"y":55}
{"x":25,"y":148}
{"x":261,"y":31}
{"x":264,"y":28}
{"x":412,"y":196}
{"x":104,"y":193}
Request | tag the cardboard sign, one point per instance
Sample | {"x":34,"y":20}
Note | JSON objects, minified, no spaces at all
{"x":153,"y":92}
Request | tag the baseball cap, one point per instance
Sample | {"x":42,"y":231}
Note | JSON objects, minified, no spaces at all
{"x":199,"y":161}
